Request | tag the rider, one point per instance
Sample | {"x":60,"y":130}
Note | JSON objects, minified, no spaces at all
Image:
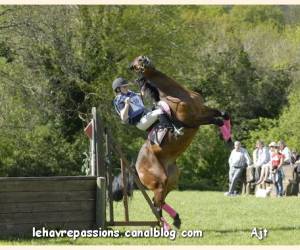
{"x":130,"y":107}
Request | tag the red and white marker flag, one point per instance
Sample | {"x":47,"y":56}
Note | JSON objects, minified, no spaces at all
{"x":89,"y":129}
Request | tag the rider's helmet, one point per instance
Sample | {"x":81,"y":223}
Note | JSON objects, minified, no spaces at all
{"x":117,"y":83}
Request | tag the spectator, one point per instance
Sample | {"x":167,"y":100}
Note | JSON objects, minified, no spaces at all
{"x":238,"y":161}
{"x":261,"y":156}
{"x":277,"y":160}
{"x":295,"y":156}
{"x":254,"y":154}
{"x":265,"y":175}
{"x":296,"y":161}
{"x":283,"y":149}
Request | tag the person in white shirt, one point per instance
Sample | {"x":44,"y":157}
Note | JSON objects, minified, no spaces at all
{"x":239,"y":159}
{"x":261,"y":156}
{"x":283,"y":149}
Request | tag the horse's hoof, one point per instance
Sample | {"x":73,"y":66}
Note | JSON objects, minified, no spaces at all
{"x":177,"y":222}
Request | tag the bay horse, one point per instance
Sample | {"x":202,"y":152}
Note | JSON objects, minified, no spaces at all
{"x":156,"y":164}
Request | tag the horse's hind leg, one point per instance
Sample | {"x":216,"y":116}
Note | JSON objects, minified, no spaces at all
{"x":176,"y":220}
{"x":153,"y":175}
{"x":159,"y":196}
{"x":159,"y":203}
{"x":172,"y":181}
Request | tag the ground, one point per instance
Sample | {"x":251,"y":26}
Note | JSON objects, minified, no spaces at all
{"x":222,"y":220}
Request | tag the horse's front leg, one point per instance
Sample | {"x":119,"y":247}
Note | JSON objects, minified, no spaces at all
{"x":219,"y":118}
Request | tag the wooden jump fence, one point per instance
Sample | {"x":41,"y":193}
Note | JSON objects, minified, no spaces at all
{"x":69,"y":202}
{"x":50,"y":202}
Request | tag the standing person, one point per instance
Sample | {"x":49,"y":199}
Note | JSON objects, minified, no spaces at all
{"x":261,"y":156}
{"x":130,"y":107}
{"x":252,"y":169}
{"x":277,"y":160}
{"x":238,"y":161}
{"x":283,"y":149}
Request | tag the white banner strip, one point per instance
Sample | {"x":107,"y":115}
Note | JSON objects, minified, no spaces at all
{"x":151,"y":2}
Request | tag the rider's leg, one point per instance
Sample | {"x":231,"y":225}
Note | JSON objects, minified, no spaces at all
{"x":148,"y":119}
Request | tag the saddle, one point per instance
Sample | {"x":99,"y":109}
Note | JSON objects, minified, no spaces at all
{"x":165,"y":123}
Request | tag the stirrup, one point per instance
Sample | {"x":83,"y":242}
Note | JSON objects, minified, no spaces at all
{"x":178,"y":131}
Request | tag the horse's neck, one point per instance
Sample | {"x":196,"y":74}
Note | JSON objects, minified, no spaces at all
{"x":165,"y":84}
{"x":179,"y":99}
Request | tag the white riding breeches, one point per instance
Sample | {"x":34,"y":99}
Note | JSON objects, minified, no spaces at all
{"x":148,"y":119}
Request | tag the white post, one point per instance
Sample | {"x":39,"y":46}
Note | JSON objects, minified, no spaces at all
{"x":93,"y":144}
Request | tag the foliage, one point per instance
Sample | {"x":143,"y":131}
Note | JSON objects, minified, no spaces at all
{"x":204,"y":165}
{"x":286,"y":128}
{"x":56,"y":62}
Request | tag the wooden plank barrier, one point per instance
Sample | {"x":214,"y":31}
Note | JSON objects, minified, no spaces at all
{"x":66,"y":202}
{"x":290,"y":182}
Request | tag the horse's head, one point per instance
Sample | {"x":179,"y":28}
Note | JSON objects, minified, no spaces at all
{"x":141,"y":64}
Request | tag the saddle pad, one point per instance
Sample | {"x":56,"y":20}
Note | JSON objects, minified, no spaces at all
{"x":156,"y":135}
{"x":165,"y":107}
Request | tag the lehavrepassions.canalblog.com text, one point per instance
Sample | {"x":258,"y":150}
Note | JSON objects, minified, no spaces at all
{"x":151,"y":233}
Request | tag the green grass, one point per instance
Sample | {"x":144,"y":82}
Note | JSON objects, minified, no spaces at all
{"x":223,"y":220}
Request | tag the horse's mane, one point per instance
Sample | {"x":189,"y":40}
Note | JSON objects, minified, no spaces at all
{"x":148,"y":88}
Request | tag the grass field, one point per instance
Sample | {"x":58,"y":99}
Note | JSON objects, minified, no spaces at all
{"x":223,"y":221}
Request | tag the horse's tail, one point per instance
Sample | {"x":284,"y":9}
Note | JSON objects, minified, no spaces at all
{"x":118,"y":187}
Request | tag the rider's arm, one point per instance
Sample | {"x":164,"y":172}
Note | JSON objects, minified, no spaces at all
{"x":124,"y":111}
